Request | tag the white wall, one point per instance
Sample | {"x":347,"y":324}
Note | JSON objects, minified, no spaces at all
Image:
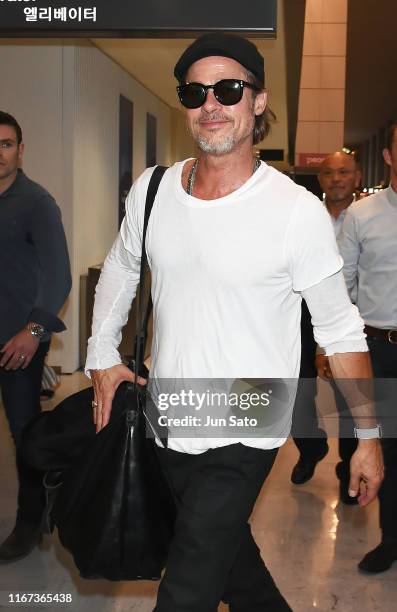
{"x":33,"y":80}
{"x":98,"y":85}
{"x":183,"y":145}
{"x":65,"y":94}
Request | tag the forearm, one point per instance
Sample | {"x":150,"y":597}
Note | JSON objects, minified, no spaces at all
{"x":113,"y":297}
{"x":352,"y":373}
{"x":338,"y":328}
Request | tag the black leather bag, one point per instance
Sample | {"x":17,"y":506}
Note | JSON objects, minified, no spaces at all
{"x":113,"y":507}
{"x":114,"y":510}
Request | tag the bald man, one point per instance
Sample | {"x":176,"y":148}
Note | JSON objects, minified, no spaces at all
{"x":339,"y":178}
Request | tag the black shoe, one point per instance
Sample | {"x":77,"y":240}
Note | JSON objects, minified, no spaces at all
{"x":20,"y":543}
{"x":304,"y":469}
{"x":380,"y":559}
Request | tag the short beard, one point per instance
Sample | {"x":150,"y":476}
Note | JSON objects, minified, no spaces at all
{"x":216,"y":148}
{"x":213,"y":146}
{"x":210,"y":144}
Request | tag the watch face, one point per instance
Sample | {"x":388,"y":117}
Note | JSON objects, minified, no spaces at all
{"x":37,"y":330}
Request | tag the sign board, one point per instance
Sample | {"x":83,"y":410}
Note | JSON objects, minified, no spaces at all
{"x":311,"y":159}
{"x":131,"y":18}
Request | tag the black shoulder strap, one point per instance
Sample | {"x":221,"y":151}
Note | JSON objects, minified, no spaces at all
{"x":143,"y":316}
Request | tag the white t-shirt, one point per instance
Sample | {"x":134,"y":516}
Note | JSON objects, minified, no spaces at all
{"x":226,"y":281}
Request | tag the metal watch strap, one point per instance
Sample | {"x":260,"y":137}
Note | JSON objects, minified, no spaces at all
{"x":370,"y":433}
{"x":36,"y":329}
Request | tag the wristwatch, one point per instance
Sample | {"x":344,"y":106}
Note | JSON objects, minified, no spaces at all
{"x":37,"y":330}
{"x":368,"y":433}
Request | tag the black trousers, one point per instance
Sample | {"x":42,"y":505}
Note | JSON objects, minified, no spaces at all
{"x":20,"y":391}
{"x":384,"y":364}
{"x":309,"y":438}
{"x":213,"y":556}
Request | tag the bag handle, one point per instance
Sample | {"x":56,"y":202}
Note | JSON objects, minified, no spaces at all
{"x":143,"y":317}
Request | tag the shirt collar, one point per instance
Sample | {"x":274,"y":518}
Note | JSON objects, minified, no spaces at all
{"x":341,"y":215}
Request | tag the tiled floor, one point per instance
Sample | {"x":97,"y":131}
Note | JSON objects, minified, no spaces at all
{"x":309,"y":541}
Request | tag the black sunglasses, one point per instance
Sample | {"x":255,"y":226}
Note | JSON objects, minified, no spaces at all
{"x":226,"y":91}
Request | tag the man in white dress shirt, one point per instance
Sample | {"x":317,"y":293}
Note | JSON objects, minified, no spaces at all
{"x":368,"y":244}
{"x":232,"y":246}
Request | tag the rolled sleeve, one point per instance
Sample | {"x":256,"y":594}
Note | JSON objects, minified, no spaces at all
{"x":337,"y":324}
{"x":312,"y":251}
{"x":48,"y":320}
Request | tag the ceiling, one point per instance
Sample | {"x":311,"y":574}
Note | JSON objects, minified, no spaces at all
{"x":371,"y":86}
{"x":152,"y":61}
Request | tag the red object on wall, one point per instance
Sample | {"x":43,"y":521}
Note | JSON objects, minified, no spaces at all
{"x":311,"y":159}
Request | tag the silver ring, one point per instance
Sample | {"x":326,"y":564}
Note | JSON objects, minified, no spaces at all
{"x":94,"y":404}
{"x":21,"y":357}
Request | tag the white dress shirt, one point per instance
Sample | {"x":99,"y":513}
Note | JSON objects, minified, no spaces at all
{"x":368,"y":245}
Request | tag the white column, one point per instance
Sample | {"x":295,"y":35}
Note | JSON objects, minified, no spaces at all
{"x":320,"y":129}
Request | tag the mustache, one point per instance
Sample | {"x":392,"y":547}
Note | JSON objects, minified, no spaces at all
{"x":215,"y":116}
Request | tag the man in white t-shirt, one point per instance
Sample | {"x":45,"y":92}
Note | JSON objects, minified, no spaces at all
{"x":233,"y":245}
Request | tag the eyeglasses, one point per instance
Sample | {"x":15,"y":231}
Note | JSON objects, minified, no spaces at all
{"x":226,"y":91}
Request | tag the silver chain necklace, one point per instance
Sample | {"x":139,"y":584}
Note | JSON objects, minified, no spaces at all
{"x":192,"y":174}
